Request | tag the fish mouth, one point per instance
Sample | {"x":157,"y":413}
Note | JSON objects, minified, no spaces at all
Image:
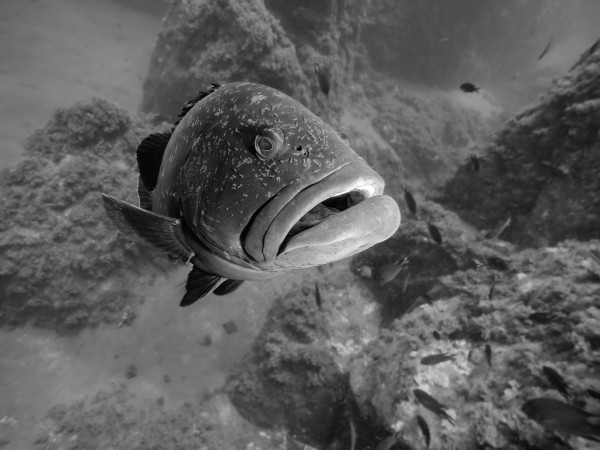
{"x":338,"y":216}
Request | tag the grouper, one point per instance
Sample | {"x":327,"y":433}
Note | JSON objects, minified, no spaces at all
{"x":250,"y":184}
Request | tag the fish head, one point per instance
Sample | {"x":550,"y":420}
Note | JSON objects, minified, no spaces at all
{"x":262,"y":182}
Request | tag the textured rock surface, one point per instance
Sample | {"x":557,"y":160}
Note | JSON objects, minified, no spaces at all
{"x":543,"y":312}
{"x":60,"y":252}
{"x":294,"y":377}
{"x":541,"y":168}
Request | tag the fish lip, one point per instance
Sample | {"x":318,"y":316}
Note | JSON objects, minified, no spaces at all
{"x":354,"y":176}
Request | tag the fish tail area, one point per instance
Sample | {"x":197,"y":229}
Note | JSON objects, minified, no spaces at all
{"x":227,"y":287}
{"x":198,"y":285}
{"x":165,"y":233}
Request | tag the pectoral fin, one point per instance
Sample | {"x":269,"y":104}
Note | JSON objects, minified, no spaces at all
{"x":228,"y":286}
{"x":165,"y":233}
{"x":199,"y":284}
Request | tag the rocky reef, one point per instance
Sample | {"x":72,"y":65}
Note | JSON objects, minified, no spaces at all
{"x":63,"y":263}
{"x":354,"y":363}
{"x":541,"y":168}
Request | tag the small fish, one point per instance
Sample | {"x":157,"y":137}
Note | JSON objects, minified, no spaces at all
{"x":388,"y":442}
{"x":469,"y":87}
{"x":424,"y":429}
{"x":432,"y":360}
{"x":546,"y":49}
{"x":558,"y":416}
{"x":432,"y":405}
{"x":318,"y":297}
{"x":557,"y":381}
{"x":227,"y":190}
{"x":323,"y":78}
{"x":495,"y":233}
{"x":492,"y":288}
{"x":436,"y":335}
{"x":390,"y":271}
{"x":410,"y":201}
{"x":497,"y":263}
{"x":405,"y":283}
{"x":488,"y":354}
{"x":543,"y":317}
{"x":475,"y":162}
{"x":434,"y":232}
{"x":352,"y":434}
{"x":592,"y":393}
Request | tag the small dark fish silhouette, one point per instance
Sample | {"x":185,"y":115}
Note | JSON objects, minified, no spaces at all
{"x":492,"y":288}
{"x":592,"y":393}
{"x":390,"y":271}
{"x":497,"y":263}
{"x":495,"y":233}
{"x":546,"y":49}
{"x":475,"y":162}
{"x":558,"y":416}
{"x":323,"y":78}
{"x":543,"y":317}
{"x":432,"y":360}
{"x":388,"y":443}
{"x":469,"y":87}
{"x":318,"y":297}
{"x":405,"y":283}
{"x":434,"y":232}
{"x":436,"y":335}
{"x":432,"y":404}
{"x":353,"y":435}
{"x":424,"y":429}
{"x":411,"y":203}
{"x":557,"y":381}
{"x":488,"y":354}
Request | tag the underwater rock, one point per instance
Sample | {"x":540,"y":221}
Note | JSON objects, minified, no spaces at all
{"x":541,"y":168}
{"x":485,"y":400}
{"x":294,"y":376}
{"x":423,"y":279}
{"x":62,"y":261}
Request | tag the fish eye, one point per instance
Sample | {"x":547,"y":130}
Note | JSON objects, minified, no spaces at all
{"x":268,"y":143}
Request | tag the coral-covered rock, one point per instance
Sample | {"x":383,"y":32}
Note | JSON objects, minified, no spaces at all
{"x":427,"y":263}
{"x":541,"y":312}
{"x":59,"y":250}
{"x":295,"y":374}
{"x":541,"y":168}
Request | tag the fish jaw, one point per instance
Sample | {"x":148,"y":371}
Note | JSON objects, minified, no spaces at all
{"x":373,"y":219}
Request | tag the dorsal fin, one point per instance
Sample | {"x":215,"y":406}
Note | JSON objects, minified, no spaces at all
{"x":199,"y":284}
{"x":228,"y":286}
{"x":149,"y":157}
{"x":144,"y":196}
{"x":190,"y":104}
